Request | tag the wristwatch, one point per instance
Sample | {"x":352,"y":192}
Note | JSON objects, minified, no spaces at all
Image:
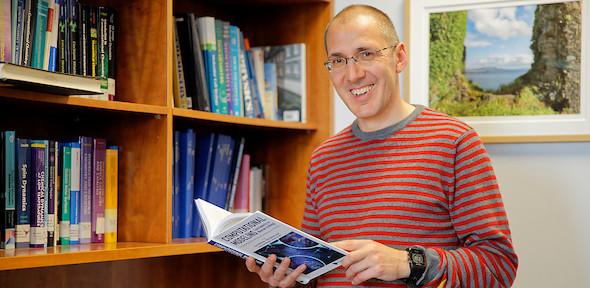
{"x":417,"y":261}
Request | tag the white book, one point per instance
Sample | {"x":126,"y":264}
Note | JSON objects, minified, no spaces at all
{"x":259,"y":236}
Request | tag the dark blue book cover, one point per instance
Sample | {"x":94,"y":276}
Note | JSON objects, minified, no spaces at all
{"x":220,"y":170}
{"x":8,"y":190}
{"x":204,"y":158}
{"x":186,"y":181}
{"x":176,"y":187}
{"x":23,"y":193}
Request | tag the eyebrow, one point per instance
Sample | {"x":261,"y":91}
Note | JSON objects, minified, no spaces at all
{"x":359,"y":49}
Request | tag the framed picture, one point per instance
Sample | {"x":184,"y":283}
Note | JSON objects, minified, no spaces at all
{"x":516,"y":71}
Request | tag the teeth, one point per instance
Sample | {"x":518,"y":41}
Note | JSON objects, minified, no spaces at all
{"x":361,"y":90}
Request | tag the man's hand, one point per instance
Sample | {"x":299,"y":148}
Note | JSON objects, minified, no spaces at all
{"x":369,"y":259}
{"x":279,"y":278}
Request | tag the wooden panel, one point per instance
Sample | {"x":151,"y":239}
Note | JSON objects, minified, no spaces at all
{"x":81,"y":102}
{"x":141,"y":51}
{"x":90,"y":253}
{"x":240,"y":121}
{"x":218,"y":270}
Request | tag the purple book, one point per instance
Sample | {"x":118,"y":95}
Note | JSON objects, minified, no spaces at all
{"x":85,"y":189}
{"x":38,"y":228}
{"x":98,"y":190}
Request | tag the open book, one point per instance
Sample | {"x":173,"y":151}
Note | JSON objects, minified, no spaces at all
{"x":259,"y":235}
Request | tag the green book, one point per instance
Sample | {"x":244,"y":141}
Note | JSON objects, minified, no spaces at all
{"x":64,"y":225}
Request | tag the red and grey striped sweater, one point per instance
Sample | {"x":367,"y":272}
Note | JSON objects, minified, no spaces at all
{"x":425,"y":181}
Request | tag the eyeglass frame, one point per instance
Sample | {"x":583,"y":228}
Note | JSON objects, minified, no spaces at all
{"x":354,"y":58}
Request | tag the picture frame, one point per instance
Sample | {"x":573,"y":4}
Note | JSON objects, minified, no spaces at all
{"x":506,"y":117}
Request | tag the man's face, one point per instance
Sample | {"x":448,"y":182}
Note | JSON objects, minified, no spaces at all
{"x":367,"y":89}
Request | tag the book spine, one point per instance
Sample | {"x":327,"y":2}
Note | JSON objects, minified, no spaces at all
{"x":210,"y":52}
{"x":18,"y":40}
{"x":23,"y":197}
{"x":235,"y":71}
{"x":53,"y":52}
{"x":9,"y":190}
{"x":111,"y":54}
{"x":176,"y":187}
{"x":200,"y":65}
{"x":83,"y":38}
{"x":48,"y":32}
{"x":66,"y":176}
{"x":187,"y":168}
{"x":51,"y":208}
{"x":75,"y":194}
{"x":38,"y":228}
{"x":234,"y":176}
{"x":92,"y":41}
{"x":222,"y":92}
{"x":247,"y":108}
{"x":85,"y":189}
{"x":232,"y":251}
{"x":28,"y":30}
{"x":111,"y":185}
{"x":63,"y":41}
{"x":217,"y":194}
{"x":103,"y":45}
{"x":72,"y":31}
{"x":205,"y":152}
{"x":227,"y":66}
{"x":39,"y":34}
{"x":98,"y":190}
{"x":5,"y":31}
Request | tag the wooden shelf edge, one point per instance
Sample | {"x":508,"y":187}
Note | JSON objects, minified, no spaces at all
{"x":244,"y":121}
{"x":91,"y":253}
{"x":82,"y":102}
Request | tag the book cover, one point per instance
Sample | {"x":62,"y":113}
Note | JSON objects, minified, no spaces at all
{"x":29,"y":18}
{"x":5,"y":31}
{"x":50,"y":50}
{"x":75,"y":194}
{"x":51,"y":192}
{"x":9,"y":189}
{"x":258,"y":72}
{"x":98,"y":190}
{"x":206,"y":28}
{"x":111,"y":194}
{"x":236,"y":84}
{"x":85,"y":189}
{"x":291,"y":70}
{"x":233,"y":178}
{"x":270,"y":90}
{"x":259,"y":235}
{"x":66,"y":178}
{"x":18,"y":36}
{"x":222,"y":89}
{"x":186,"y":179}
{"x":220,"y":170}
{"x":72,"y":31}
{"x":202,"y":90}
{"x":103,"y":46}
{"x":187,"y":57}
{"x":242,"y":198}
{"x":63,"y":40}
{"x":254,"y":82}
{"x":23,"y":194}
{"x":204,"y":158}
{"x":39,"y":35}
{"x":83,"y":42}
{"x":111,"y":53}
{"x":92,"y":38}
{"x":176,"y":186}
{"x":227,"y":65}
{"x":38,"y":195}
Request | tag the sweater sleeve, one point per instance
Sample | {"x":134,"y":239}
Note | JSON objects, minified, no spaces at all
{"x":310,"y":223}
{"x":486,"y":257}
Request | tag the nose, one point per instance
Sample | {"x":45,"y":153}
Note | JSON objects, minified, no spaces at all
{"x":354,"y":71}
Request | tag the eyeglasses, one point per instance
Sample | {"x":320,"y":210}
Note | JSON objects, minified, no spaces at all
{"x":362,"y":57}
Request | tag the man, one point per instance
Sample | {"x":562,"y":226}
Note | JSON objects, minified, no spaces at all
{"x":408,"y":191}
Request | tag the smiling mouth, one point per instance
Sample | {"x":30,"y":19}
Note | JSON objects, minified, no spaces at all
{"x":362,"y":90}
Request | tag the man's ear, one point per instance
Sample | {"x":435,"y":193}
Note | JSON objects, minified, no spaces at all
{"x":401,"y":57}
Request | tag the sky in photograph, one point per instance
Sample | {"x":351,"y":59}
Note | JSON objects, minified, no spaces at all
{"x":499,"y":38}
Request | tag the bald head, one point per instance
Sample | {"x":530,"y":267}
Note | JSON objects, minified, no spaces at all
{"x":369,"y":13}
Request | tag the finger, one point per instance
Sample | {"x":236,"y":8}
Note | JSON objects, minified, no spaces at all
{"x":357,"y":268}
{"x":290,"y":279}
{"x":364,"y":276}
{"x":266,"y":270}
{"x":282,"y":269}
{"x":354,"y":257}
{"x":251,"y":265}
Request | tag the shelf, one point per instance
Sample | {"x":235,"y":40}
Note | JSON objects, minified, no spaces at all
{"x":90,"y":253}
{"x":81,"y":102}
{"x":243,"y":121}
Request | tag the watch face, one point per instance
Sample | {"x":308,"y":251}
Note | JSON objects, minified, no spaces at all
{"x":418,"y":259}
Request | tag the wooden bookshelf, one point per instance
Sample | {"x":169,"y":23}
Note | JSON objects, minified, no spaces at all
{"x":142,"y":121}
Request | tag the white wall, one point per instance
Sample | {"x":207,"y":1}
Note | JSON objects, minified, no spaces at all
{"x":546,"y":191}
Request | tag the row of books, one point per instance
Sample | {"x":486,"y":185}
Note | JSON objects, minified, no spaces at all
{"x":213,"y":167}
{"x":57,"y":193}
{"x":60,"y":36}
{"x":218,"y":71}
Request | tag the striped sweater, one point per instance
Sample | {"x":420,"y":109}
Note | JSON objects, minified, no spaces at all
{"x":425,"y":181}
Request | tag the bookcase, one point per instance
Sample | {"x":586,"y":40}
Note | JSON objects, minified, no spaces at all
{"x":142,"y":121}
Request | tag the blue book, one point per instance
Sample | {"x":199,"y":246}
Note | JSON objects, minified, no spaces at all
{"x":38,"y":195}
{"x":39,"y":34}
{"x":236,"y":87}
{"x":206,"y":27}
{"x":256,"y":97}
{"x":186,"y":181}
{"x":23,"y":193}
{"x":222,"y":91}
{"x":176,"y":187}
{"x":75,"y":194}
{"x":85,"y":188}
{"x":204,"y":158}
{"x":9,"y":189}
{"x":221,"y":168}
